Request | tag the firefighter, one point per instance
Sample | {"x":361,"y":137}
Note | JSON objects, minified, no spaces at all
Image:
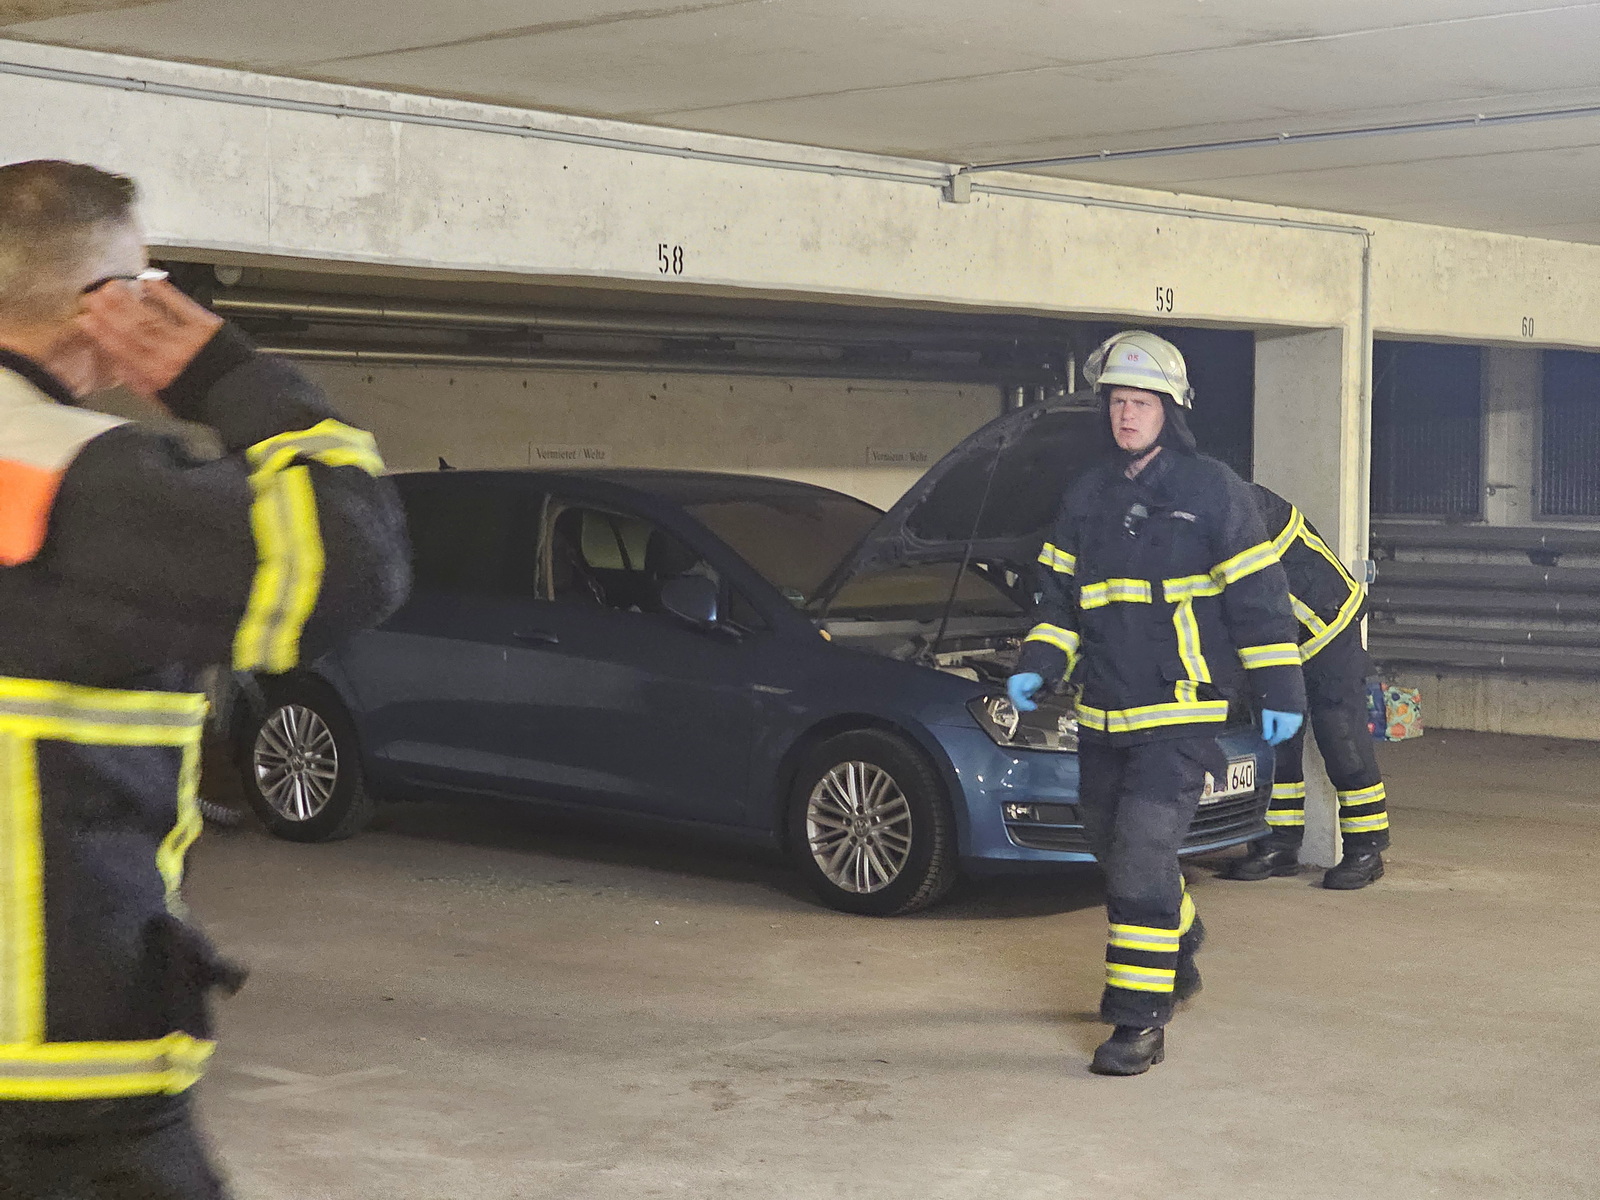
{"x":1329,"y":605}
{"x":126,"y":567}
{"x":1161,"y":587}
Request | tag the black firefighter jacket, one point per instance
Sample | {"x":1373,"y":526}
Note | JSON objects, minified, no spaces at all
{"x":1166,"y":596}
{"x":126,"y":566}
{"x":1325,"y":597}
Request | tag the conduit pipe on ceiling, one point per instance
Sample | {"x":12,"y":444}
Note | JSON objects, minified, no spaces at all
{"x":400,"y":117}
{"x":1274,"y":140}
{"x":955,"y":182}
{"x":354,"y":310}
{"x":392,"y":356}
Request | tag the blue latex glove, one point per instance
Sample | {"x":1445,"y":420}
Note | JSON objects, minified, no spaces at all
{"x":1021,"y":689}
{"x":1278,"y":727}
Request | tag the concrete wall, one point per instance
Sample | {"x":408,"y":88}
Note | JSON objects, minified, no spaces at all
{"x":865,"y":437}
{"x":1503,"y":703}
{"x":1308,"y":419}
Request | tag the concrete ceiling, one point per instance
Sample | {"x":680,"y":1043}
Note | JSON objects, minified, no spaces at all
{"x":996,"y":81}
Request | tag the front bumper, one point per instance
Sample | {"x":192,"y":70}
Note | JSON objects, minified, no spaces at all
{"x":1021,"y":805}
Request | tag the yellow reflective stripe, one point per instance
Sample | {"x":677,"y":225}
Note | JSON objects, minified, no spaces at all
{"x":1140,"y":979}
{"x":21,"y":894}
{"x":1321,"y":547}
{"x":102,"y":1070}
{"x":1334,"y":628}
{"x":1347,"y":611}
{"x":39,"y":709}
{"x":289,"y":550}
{"x":170,"y":855}
{"x":1189,"y":587}
{"x":1055,"y":635}
{"x":1150,"y":716}
{"x":329,"y":442}
{"x":1109,"y":591}
{"x":1187,"y":630}
{"x":1364,"y":796}
{"x":1247,"y":562}
{"x":1289,"y":791}
{"x":1292,"y":529}
{"x":1186,"y":913}
{"x":47,"y":700}
{"x":1277,"y":654}
{"x":1306,"y":615}
{"x":1058,"y":560}
{"x":1373,"y":824}
{"x":1286,"y":817}
{"x":64,"y":712}
{"x":1144,"y":937}
{"x":288,"y":573}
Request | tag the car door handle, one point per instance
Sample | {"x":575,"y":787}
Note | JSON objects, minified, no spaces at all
{"x":539,"y":637}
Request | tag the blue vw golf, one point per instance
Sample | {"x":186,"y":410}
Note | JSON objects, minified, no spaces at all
{"x":772,"y":659}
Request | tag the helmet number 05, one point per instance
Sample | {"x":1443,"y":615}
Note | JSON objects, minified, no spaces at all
{"x":1163,"y":299}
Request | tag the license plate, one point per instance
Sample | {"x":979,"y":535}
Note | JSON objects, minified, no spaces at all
{"x":1240,"y":781}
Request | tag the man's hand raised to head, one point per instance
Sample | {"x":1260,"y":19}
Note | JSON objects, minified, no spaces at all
{"x":149,"y":331}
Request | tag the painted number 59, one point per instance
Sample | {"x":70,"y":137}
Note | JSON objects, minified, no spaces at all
{"x":1163,"y":299}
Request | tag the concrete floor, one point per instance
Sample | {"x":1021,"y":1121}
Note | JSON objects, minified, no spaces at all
{"x":472,"y":1003}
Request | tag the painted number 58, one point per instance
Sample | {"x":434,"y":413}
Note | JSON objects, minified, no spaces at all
{"x":669,"y":259}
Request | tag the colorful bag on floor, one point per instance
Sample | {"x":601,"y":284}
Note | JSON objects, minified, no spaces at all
{"x":1394,"y":714}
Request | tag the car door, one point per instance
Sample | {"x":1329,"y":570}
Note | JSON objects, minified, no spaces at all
{"x":614,"y":701}
{"x":431,"y":680}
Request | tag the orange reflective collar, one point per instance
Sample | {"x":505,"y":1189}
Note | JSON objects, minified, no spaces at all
{"x":39,"y":439}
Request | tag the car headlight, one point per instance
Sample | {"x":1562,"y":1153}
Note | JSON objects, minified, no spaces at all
{"x":1050,"y":727}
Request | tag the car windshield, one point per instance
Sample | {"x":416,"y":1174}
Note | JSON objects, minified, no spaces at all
{"x":794,"y":540}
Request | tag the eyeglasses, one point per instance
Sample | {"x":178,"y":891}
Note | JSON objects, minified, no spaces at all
{"x":148,"y":275}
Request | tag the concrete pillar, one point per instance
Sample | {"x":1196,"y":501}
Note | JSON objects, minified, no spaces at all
{"x":1304,"y":448}
{"x":1512,"y":383}
{"x":1309,"y":449}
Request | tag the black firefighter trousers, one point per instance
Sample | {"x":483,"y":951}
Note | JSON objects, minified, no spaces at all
{"x":146,"y":1148}
{"x":1137,"y":803}
{"x":1337,"y":697}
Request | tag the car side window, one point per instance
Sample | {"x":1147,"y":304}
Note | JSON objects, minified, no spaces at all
{"x":594,"y":556}
{"x":470,"y":536}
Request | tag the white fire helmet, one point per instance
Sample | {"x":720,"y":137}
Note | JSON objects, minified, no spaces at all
{"x":1135,"y":358}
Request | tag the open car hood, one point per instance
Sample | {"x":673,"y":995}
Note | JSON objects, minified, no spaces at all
{"x":1022,"y":462}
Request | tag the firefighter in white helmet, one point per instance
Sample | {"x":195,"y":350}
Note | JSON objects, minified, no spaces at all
{"x":1162,"y":596}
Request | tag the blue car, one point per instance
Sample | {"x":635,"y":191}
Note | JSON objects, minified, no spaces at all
{"x":768,"y":658}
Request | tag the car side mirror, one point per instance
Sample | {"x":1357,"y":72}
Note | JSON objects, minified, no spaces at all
{"x":693,"y":599}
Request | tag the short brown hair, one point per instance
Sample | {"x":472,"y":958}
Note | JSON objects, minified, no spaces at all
{"x":52,"y":217}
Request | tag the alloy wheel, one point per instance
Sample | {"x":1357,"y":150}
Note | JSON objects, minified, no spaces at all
{"x":296,"y":762}
{"x":858,"y":824}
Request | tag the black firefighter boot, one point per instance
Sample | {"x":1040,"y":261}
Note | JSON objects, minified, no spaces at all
{"x":1265,"y":860}
{"x":1130,"y":1051}
{"x":1360,"y":866}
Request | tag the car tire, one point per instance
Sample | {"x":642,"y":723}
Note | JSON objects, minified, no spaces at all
{"x":301,"y":765}
{"x":869,"y":825}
